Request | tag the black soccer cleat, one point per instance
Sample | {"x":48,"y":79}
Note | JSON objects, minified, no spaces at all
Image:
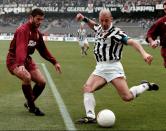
{"x":34,"y":110}
{"x":86,"y":120}
{"x":152,"y":86}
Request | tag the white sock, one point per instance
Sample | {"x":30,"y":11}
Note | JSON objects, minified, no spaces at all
{"x":137,"y":90}
{"x":89,"y":103}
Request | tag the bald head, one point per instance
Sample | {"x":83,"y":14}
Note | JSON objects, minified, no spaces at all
{"x":106,"y":12}
{"x":105,"y":18}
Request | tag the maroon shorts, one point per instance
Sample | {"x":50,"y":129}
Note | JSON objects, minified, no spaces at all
{"x":163,"y":54}
{"x":11,"y":63}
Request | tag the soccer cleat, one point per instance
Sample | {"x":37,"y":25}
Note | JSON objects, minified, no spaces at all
{"x":34,"y":110}
{"x":152,"y":86}
{"x":37,"y":111}
{"x":86,"y":120}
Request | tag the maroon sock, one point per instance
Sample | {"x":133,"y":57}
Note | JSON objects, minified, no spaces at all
{"x":37,"y":90}
{"x":28,"y":93}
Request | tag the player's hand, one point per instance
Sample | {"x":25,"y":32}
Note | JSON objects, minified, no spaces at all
{"x":154,"y":44}
{"x":21,"y":69}
{"x":79,"y":17}
{"x":58,"y":68}
{"x":21,"y":72}
{"x":148,"y":58}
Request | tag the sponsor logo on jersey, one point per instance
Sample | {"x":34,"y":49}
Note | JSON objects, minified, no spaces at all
{"x":32,"y":43}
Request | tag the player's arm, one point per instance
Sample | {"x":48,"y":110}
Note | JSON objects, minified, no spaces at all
{"x":88,"y":21}
{"x":21,"y":46}
{"x":152,"y":35}
{"x":43,"y":51}
{"x":153,"y":43}
{"x":146,"y":56}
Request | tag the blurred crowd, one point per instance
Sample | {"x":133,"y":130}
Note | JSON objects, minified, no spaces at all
{"x":59,"y":24}
{"x":80,"y":2}
{"x":68,"y":26}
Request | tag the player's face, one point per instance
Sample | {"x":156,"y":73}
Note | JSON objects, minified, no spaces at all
{"x":105,"y":21}
{"x":164,"y":9}
{"x":37,"y":20}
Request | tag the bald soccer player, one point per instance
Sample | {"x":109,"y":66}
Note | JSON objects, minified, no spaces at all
{"x":109,"y":41}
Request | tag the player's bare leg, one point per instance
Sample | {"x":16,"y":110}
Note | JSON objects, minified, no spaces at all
{"x":93,"y":83}
{"x":82,"y":51}
{"x":38,"y":78}
{"x":40,"y":81}
{"x":25,"y":76}
{"x":129,"y":94}
{"x":86,"y":47}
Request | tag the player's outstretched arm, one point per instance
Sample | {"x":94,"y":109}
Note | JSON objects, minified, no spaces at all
{"x":153,"y":43}
{"x":89,"y":22}
{"x":146,"y":56}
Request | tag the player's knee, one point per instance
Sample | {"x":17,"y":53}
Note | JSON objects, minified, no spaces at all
{"x":42,"y":83}
{"x":127,"y":98}
{"x":27,"y":79}
{"x":87,"y":88}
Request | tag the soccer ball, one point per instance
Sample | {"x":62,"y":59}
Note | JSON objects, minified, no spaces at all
{"x":106,"y":118}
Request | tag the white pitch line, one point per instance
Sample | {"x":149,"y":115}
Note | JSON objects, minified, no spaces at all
{"x":66,"y":116}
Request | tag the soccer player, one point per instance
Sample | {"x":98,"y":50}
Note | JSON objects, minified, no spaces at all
{"x":158,"y":29}
{"x":19,"y":62}
{"x":82,"y":39}
{"x":109,"y":42}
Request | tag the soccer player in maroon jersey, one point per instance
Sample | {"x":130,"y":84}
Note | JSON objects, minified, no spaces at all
{"x":158,"y":29}
{"x":26,"y":39}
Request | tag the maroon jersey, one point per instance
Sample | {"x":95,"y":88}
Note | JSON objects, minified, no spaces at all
{"x":26,"y":40}
{"x":158,"y":29}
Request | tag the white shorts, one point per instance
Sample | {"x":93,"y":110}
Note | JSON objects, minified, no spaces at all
{"x":83,"y":42}
{"x":109,"y":70}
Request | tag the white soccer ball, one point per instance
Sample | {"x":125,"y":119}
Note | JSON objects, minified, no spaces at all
{"x":106,"y":118}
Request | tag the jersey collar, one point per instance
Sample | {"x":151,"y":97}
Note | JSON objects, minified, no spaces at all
{"x":108,"y":28}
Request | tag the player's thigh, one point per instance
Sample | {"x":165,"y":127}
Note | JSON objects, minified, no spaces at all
{"x":93,"y":83}
{"x":37,"y":76}
{"x":86,"y":43}
{"x":23,"y":75}
{"x":122,"y":88}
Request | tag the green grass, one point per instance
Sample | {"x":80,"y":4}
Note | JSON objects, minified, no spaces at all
{"x":146,"y":112}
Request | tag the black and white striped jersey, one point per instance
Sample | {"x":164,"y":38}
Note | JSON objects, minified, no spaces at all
{"x":81,"y":34}
{"x":109,"y":44}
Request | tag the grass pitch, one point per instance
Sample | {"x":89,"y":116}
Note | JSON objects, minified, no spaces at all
{"x":147,"y":112}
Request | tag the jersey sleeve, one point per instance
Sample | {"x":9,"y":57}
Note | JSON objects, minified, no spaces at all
{"x":21,"y":46}
{"x":125,"y":37}
{"x":43,"y":51}
{"x":122,"y":37}
{"x":153,"y":31}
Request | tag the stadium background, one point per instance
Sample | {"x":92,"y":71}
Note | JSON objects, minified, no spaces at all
{"x":133,"y":16}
